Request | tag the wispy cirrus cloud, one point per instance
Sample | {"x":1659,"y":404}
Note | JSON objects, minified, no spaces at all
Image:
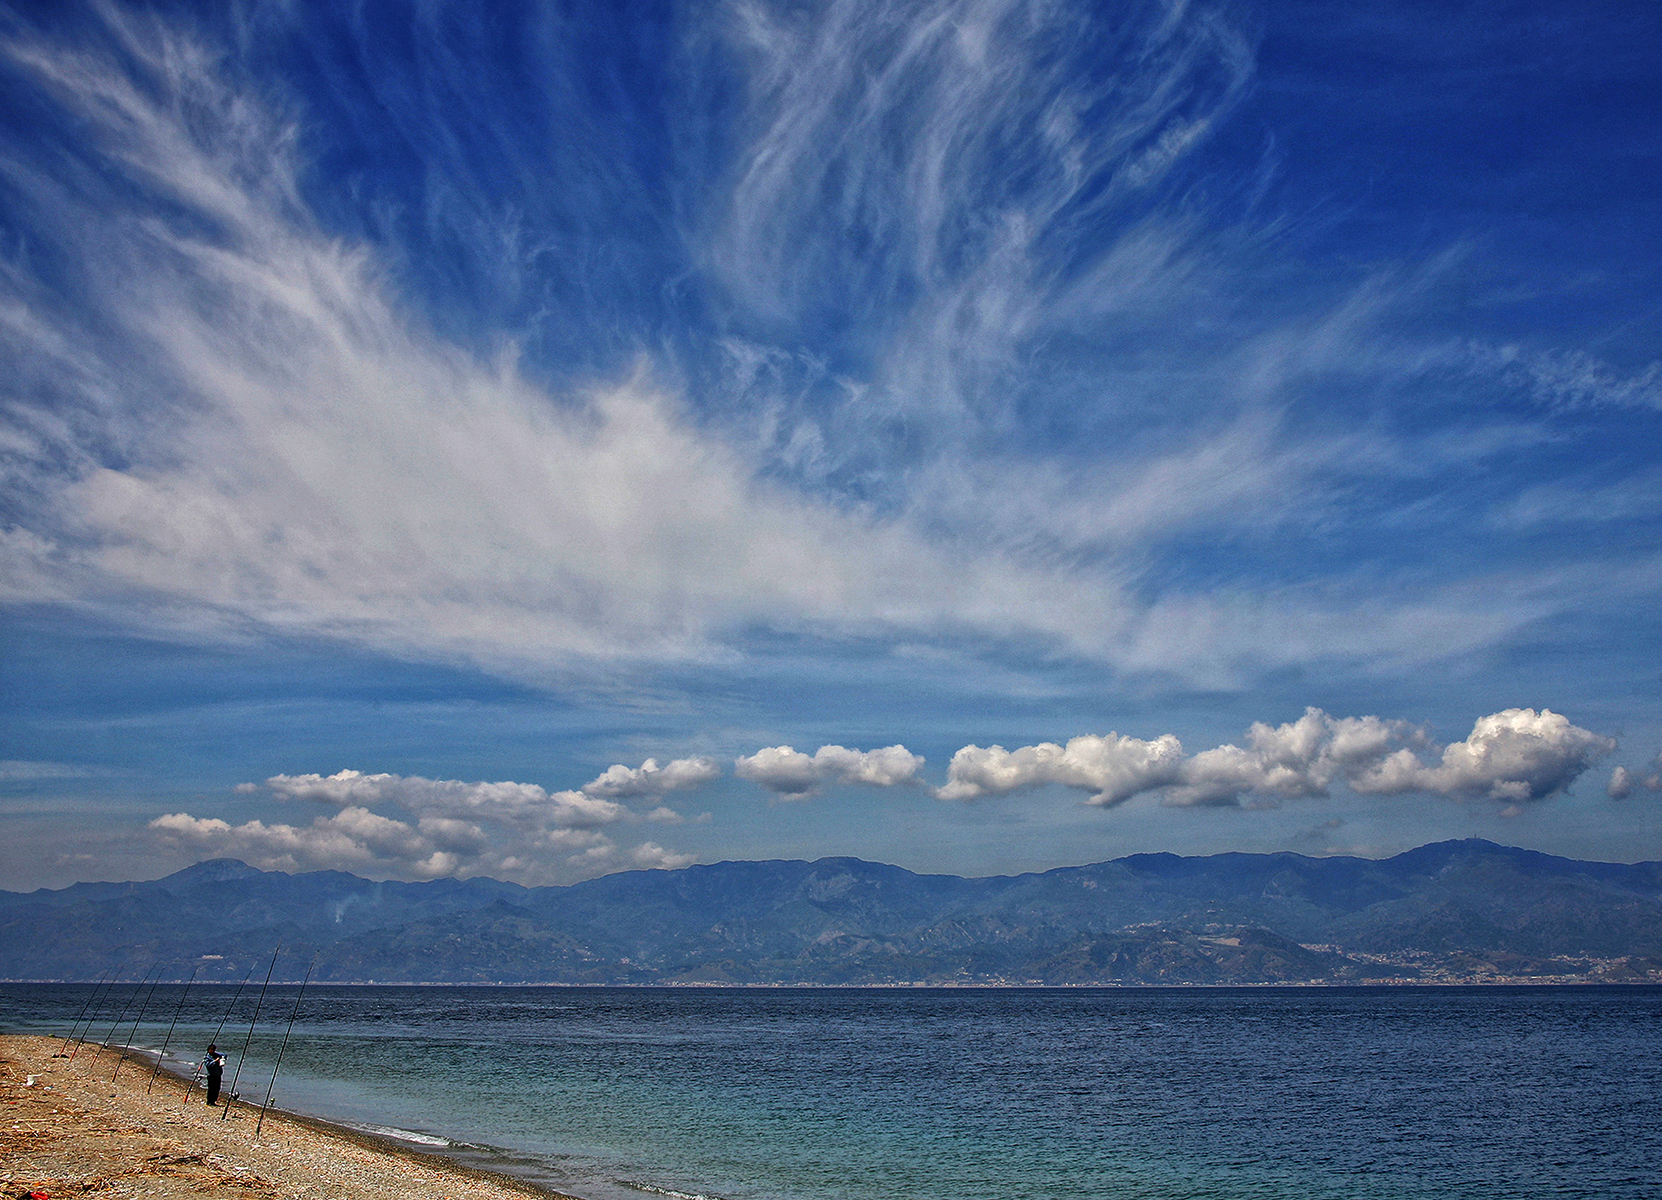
{"x":976,"y":362}
{"x":14,"y":770}
{"x":927,"y":168}
{"x":307,"y":460}
{"x":1570,"y":379}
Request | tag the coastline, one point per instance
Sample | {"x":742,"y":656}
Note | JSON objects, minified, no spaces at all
{"x":72,"y":1129}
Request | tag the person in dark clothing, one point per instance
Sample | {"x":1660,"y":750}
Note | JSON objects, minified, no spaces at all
{"x":214,"y":1064}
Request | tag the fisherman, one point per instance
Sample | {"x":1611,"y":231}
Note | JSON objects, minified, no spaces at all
{"x":214,"y":1064}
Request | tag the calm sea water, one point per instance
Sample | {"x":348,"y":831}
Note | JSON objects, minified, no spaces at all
{"x":963,"y":1095}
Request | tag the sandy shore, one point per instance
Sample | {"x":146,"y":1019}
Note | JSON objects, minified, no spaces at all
{"x":71,"y":1132}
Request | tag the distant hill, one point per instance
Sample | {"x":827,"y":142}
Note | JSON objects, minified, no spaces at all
{"x":1453,"y":911}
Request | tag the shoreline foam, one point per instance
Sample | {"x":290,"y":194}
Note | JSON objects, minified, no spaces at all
{"x":69,"y":1127}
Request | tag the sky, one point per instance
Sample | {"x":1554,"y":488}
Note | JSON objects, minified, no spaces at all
{"x":539,"y":440}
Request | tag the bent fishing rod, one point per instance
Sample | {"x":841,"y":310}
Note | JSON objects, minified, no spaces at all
{"x":132,"y":1035}
{"x":243,"y":1057}
{"x":137,"y":987}
{"x":113,"y":976}
{"x":75,"y":1024}
{"x":162,"y":1053}
{"x":277,"y":1066}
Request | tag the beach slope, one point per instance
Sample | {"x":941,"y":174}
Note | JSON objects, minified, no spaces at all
{"x":67,"y":1130}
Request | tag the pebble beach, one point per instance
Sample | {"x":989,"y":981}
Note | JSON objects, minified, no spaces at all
{"x":68,"y":1130}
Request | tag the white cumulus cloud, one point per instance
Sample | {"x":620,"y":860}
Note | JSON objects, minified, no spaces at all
{"x":653,"y":856}
{"x":1512,"y":756}
{"x":508,"y":829}
{"x":506,"y":803}
{"x":1515,"y":755}
{"x":791,"y":773}
{"x":649,"y":779}
{"x":1113,"y":768}
{"x":1300,"y":758}
{"x":353,"y":838}
{"x":1623,"y":782}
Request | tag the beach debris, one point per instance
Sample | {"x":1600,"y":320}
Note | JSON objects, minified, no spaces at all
{"x":173,"y":1160}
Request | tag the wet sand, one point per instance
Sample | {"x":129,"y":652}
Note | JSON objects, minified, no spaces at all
{"x":72,"y":1132}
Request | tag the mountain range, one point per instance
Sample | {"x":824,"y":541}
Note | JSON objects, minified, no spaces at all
{"x":1462,"y":911}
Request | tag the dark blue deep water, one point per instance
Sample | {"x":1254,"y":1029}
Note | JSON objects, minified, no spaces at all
{"x":970,"y":1095}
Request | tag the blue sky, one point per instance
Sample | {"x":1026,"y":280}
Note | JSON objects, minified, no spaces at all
{"x":541,"y":440}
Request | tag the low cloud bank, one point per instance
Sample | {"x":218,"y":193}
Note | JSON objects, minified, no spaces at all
{"x":522,"y":830}
{"x":458,"y":827}
{"x":1512,"y":756}
{"x":353,"y":837}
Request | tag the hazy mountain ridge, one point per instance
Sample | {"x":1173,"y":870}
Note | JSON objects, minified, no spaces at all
{"x":1450,"y":910}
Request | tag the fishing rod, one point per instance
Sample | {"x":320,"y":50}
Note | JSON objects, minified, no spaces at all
{"x":113,"y":976}
{"x":235,"y":996}
{"x":110,"y":1037}
{"x":75,"y":1024}
{"x":162,"y":1053}
{"x":243,"y":1057}
{"x":284,"y":1045}
{"x":137,"y":1021}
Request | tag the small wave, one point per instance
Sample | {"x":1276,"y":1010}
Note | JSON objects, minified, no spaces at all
{"x":400,"y":1135}
{"x":671,"y":1193}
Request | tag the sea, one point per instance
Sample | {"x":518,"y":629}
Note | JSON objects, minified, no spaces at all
{"x":949,"y":1094}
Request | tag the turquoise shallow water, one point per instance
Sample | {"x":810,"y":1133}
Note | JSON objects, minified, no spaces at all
{"x":962,"y":1095}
